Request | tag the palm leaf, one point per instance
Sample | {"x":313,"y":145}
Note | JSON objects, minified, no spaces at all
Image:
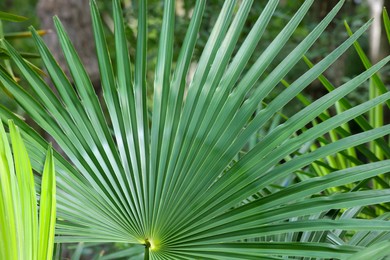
{"x":182,"y":181}
{"x":22,"y":236}
{"x":12,"y":17}
{"x":386,"y":22}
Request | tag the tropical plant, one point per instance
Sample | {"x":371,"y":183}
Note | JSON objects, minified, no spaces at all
{"x":378,"y":150}
{"x":13,"y":18}
{"x":22,"y":236}
{"x":4,"y":61}
{"x":181,"y":179}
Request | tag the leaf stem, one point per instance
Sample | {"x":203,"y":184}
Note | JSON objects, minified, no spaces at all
{"x":147,"y":247}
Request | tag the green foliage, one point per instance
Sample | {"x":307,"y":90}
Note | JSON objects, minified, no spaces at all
{"x":386,"y":22}
{"x":5,"y":63}
{"x":379,"y":149}
{"x":181,"y":179}
{"x":12,"y":17}
{"x":22,"y":237}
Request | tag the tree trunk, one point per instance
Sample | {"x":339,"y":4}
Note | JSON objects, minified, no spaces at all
{"x":379,"y":48}
{"x":376,"y":29}
{"x":75,"y":16}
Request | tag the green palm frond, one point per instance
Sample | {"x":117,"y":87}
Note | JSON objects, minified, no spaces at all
{"x":12,"y":17}
{"x":386,"y":23}
{"x":22,"y":235}
{"x":182,"y":181}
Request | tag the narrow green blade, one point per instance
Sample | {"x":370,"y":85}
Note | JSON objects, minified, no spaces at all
{"x":47,"y":209}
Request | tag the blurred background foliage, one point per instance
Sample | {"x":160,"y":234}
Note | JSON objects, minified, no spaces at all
{"x":355,"y":12}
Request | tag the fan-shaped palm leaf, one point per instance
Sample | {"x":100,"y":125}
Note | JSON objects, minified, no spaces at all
{"x":171,"y":182}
